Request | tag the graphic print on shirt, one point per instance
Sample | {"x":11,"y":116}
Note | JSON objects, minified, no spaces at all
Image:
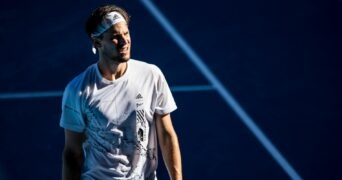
{"x":105,"y":133}
{"x":118,"y":134}
{"x":142,"y":130}
{"x":141,"y":122}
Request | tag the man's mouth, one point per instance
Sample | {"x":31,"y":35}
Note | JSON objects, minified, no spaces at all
{"x":123,"y":50}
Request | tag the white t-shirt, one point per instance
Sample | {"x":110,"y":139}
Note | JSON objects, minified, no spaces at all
{"x":117,"y":118}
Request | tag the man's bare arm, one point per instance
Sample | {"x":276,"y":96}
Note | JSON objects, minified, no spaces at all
{"x":72,"y":155}
{"x":169,"y":145}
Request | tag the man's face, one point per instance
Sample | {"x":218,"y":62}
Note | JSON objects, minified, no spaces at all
{"x":116,"y":43}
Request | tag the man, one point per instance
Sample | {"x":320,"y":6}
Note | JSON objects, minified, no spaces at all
{"x":113,"y":112}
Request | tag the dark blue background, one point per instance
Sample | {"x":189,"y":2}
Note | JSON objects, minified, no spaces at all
{"x":280,"y":59}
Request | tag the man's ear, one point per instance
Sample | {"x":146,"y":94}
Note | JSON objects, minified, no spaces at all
{"x":96,"y":42}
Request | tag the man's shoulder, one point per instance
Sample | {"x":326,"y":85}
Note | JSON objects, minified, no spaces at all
{"x":139,"y":63}
{"x":144,"y":66}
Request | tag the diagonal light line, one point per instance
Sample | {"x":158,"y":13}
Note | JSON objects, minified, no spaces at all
{"x":192,"y":88}
{"x":199,"y":63}
{"x":25,"y":95}
{"x":47,"y":94}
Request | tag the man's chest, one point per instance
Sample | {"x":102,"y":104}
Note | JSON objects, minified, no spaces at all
{"x":119,"y":105}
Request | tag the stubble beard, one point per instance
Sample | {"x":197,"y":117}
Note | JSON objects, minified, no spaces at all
{"x":120,"y":59}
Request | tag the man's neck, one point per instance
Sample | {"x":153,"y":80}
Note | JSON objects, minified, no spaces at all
{"x":112,"y":70}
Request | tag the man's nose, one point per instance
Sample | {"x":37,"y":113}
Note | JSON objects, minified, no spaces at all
{"x":123,"y":41}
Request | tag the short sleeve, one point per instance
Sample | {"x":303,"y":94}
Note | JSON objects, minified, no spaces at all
{"x":165,"y":102}
{"x":71,"y":117}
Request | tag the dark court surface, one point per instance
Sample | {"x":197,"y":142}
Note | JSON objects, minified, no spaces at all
{"x":281,"y":60}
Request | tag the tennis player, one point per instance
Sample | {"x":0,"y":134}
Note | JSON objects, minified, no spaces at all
{"x":117,"y":111}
